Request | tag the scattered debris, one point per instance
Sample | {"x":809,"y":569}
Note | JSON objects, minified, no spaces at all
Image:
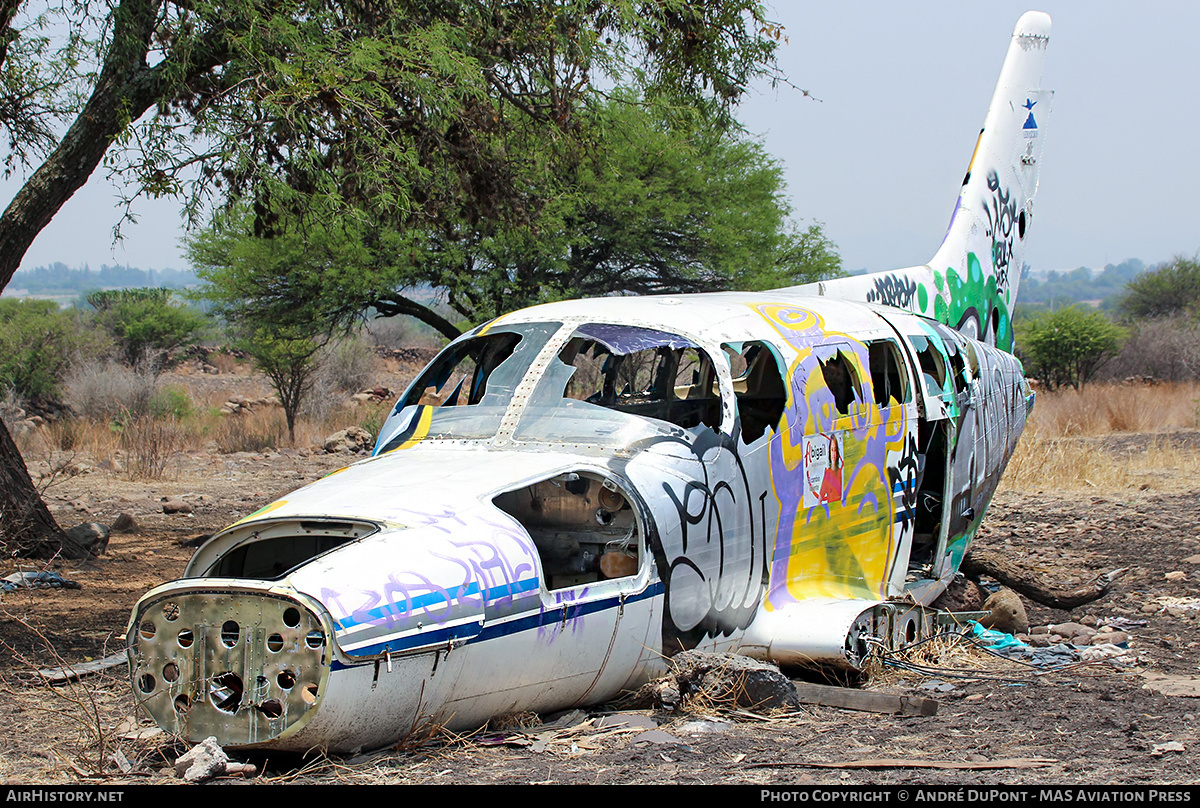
{"x":46,"y":579}
{"x":207,"y":760}
{"x":1169,"y":746}
{"x":69,"y":673}
{"x":1099,"y":653}
{"x":1168,"y":685}
{"x":721,"y":679}
{"x":849,"y":698}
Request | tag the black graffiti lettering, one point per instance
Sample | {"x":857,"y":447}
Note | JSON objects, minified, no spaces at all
{"x":1001,"y":214}
{"x":893,"y":290}
{"x":708,"y":515}
{"x":906,"y":473}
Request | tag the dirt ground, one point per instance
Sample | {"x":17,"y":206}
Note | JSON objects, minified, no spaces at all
{"x":1094,"y":724}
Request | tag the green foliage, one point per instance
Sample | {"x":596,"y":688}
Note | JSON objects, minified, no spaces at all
{"x":1066,"y":346}
{"x":108,"y":299}
{"x":1164,"y":291}
{"x":416,"y":110}
{"x":670,"y":200}
{"x":144,"y":322}
{"x":171,"y":402}
{"x":37,"y":345}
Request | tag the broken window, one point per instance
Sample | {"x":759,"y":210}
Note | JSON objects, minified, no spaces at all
{"x":465,"y":391}
{"x":459,"y":375}
{"x":759,"y":388}
{"x":273,"y":549}
{"x":584,"y":528}
{"x":933,"y":365}
{"x":839,"y":376}
{"x":889,"y":378}
{"x":624,"y":369}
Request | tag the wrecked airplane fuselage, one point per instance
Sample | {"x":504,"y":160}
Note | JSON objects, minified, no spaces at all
{"x":572,"y":493}
{"x":590,"y":495}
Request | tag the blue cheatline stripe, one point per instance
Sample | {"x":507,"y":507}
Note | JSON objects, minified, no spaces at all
{"x":496,"y":630}
{"x":419,"y":638}
{"x":429,"y":599}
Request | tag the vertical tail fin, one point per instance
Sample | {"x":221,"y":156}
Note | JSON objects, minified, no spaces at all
{"x":979,"y":262}
{"x":971,"y":283}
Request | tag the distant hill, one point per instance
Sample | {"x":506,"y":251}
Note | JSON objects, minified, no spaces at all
{"x":58,"y":279}
{"x":1054,"y":289}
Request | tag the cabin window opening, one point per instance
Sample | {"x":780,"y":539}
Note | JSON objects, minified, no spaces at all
{"x":642,"y":372}
{"x":758,"y":387}
{"x":888,"y":376}
{"x":584,"y":528}
{"x":465,"y":391}
{"x":930,"y":486}
{"x":841,"y":380}
{"x":933,"y":367}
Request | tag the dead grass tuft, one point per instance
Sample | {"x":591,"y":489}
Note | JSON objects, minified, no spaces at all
{"x":1081,"y":464}
{"x":522,"y":719}
{"x":255,"y":432}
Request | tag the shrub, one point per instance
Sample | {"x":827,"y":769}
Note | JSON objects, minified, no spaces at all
{"x":343,"y":367}
{"x":1165,"y":348}
{"x":173,"y":402}
{"x":145,"y":324}
{"x":1166,"y":290}
{"x":149,"y":444}
{"x":104,"y":392}
{"x":1067,"y":346}
{"x":37,"y":345}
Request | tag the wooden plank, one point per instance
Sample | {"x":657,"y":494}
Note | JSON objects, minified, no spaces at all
{"x":900,"y":763}
{"x":868,"y":701}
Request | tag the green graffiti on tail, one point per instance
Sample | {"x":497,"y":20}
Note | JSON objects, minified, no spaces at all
{"x":957,"y":298}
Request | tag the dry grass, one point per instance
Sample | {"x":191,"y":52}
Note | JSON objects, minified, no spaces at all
{"x":1102,"y":409}
{"x":1088,"y":464}
{"x":150,"y":445}
{"x":1074,"y":439}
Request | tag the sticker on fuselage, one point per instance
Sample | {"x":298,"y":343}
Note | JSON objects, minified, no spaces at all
{"x":823,"y":467}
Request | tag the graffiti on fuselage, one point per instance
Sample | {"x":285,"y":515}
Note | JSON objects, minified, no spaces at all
{"x":712,"y":546}
{"x":843,"y":546}
{"x":1001,"y":212}
{"x":894,"y":290}
{"x":990,"y":417}
{"x":971,"y":304}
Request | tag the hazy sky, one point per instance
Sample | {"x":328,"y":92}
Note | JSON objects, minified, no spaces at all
{"x":903,"y":89}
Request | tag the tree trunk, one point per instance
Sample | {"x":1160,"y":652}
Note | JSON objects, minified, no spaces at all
{"x":124,"y":90}
{"x":979,"y":561}
{"x":26,"y":527}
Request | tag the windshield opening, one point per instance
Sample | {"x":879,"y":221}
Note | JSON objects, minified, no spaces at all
{"x":605,"y":372}
{"x":643,"y":372}
{"x":465,"y":390}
